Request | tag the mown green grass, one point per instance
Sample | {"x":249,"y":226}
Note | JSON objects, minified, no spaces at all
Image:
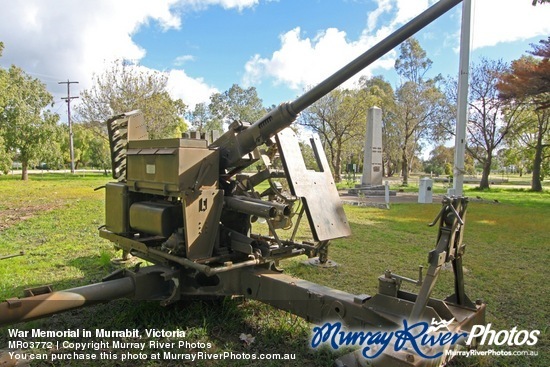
{"x":58,"y":234}
{"x":506,"y":265}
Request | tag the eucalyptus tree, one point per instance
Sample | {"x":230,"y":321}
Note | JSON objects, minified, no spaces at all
{"x":125,"y":87}
{"x":29,"y":129}
{"x":201,"y":119}
{"x":5,"y":159}
{"x":491,"y":118}
{"x":339,"y":119}
{"x":235,"y":104}
{"x":531,"y":136}
{"x":420,"y":104}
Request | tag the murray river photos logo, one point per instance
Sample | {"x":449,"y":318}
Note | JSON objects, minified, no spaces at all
{"x":426,"y":340}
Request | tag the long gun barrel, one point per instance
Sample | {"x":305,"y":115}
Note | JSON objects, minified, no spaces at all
{"x":29,"y":308}
{"x":144,"y":284}
{"x":234,"y":147}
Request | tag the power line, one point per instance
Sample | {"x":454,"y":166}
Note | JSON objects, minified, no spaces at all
{"x":68,"y":99}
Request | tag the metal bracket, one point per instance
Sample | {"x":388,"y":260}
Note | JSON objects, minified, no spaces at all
{"x":389,"y":274}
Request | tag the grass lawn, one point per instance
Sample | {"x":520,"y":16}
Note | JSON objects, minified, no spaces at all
{"x":54,"y":219}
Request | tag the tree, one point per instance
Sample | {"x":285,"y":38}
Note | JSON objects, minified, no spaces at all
{"x":529,"y":77}
{"x":235,"y":104}
{"x":339,"y":119}
{"x":52,"y":152}
{"x":515,"y":157}
{"x":5,"y":160}
{"x":126,"y":87}
{"x":491,"y":119}
{"x":201,"y":119}
{"x":28,"y":128}
{"x":532,"y":132}
{"x":440,"y":156}
{"x":412,"y":63}
{"x":528,"y":85}
{"x":91,"y":148}
{"x":535,"y":2}
{"x":441,"y":161}
{"x":419,"y":102}
{"x":95,"y":148}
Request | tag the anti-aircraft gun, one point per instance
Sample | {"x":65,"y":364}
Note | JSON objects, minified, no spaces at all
{"x":185,"y":206}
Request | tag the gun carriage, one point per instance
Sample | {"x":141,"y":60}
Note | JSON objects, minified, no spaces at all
{"x":185,"y":206}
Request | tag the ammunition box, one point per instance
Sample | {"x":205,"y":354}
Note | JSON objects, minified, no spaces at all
{"x":171,"y":166}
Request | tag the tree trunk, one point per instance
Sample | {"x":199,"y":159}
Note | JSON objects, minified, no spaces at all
{"x":405,"y":168}
{"x":484,"y":184}
{"x":24,"y":170}
{"x":338,"y":166}
{"x":536,"y":184}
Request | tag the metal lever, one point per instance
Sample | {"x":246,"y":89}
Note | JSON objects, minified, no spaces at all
{"x":389,"y":274}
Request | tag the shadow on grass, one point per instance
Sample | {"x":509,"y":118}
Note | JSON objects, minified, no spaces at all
{"x":211,"y":326}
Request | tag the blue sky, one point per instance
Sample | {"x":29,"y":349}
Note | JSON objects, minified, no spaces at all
{"x":280,"y":47}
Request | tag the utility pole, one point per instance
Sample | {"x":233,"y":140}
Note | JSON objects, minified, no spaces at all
{"x":68,"y":99}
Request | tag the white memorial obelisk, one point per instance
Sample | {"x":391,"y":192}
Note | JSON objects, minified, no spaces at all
{"x":372,"y":161}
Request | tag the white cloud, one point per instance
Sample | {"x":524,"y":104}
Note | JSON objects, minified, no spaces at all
{"x":53,"y":42}
{"x":182,"y":59}
{"x":384,"y":6}
{"x":407,"y":9}
{"x":303,"y":62}
{"x":500,"y":21}
{"x":494,"y":21}
{"x":56,"y":40}
{"x":226,"y":4}
{"x":190,"y":90}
